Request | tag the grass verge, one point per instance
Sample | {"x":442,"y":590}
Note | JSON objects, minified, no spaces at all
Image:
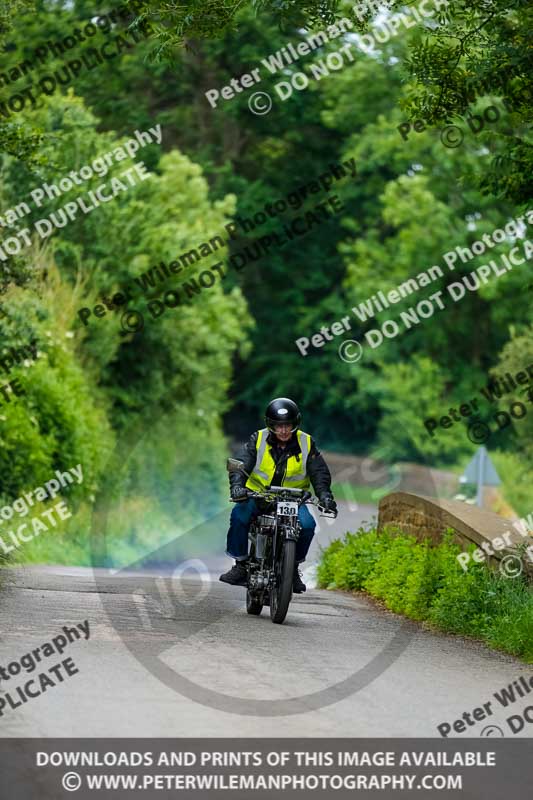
{"x":364,"y":495}
{"x":427,"y":584}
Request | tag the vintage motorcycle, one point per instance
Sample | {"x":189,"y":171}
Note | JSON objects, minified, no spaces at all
{"x":272,"y":546}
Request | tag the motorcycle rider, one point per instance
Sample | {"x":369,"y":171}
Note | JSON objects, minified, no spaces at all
{"x":278,"y":455}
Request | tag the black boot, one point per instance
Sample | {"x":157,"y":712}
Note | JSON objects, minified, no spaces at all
{"x":298,"y":586}
{"x":237,"y":575}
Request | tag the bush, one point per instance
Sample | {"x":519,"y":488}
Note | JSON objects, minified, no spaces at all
{"x":327,"y":567}
{"x":347,"y":564}
{"x":60,"y":420}
{"x":427,"y":583}
{"x":516,"y":472}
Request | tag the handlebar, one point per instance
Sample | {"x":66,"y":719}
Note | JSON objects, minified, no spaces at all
{"x":302,"y":495}
{"x":288,"y":489}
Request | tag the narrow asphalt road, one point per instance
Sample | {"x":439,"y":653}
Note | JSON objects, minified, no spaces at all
{"x":179,"y":656}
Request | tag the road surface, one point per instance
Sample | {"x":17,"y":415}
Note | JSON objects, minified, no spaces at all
{"x":339,"y":666}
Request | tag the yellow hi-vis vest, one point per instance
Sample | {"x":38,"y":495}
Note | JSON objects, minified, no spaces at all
{"x":296,"y":474}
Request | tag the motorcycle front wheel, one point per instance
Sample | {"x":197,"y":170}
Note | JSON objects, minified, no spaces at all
{"x":281,"y":593}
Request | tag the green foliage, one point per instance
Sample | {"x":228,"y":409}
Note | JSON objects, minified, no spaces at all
{"x":9,"y":11}
{"x":59,"y":421}
{"x":346,"y":565}
{"x":472,"y":45}
{"x":21,"y":142}
{"x":403,"y":577}
{"x":483,"y":48}
{"x":17,"y":139}
{"x":175,"y":23}
{"x":410,"y":202}
{"x":415,"y":391}
{"x":516,"y":473}
{"x":90,"y":388}
{"x":514,"y":456}
{"x":326,"y":566}
{"x":427,"y":583}
{"x":517,"y":356}
{"x":304,"y":13}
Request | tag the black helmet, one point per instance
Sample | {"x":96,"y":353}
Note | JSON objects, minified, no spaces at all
{"x":283,"y":410}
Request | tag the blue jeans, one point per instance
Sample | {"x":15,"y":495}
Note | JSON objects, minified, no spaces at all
{"x":241,"y":517}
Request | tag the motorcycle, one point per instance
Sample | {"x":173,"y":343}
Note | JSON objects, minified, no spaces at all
{"x":272,"y":546}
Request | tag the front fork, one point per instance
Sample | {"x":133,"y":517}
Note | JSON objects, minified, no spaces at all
{"x":288,"y":530}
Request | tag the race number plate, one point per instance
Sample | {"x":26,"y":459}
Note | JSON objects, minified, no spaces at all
{"x":288,"y":509}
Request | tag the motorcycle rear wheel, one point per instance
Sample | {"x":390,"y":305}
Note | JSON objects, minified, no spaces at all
{"x":281,"y":594}
{"x":254,"y":603}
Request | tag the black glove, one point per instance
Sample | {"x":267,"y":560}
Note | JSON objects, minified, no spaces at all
{"x":238,"y":493}
{"x":328,"y":503}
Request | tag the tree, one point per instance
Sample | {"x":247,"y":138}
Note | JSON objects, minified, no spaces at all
{"x":468,"y":50}
{"x":91,"y":385}
{"x":483,"y":49}
{"x":514,"y":457}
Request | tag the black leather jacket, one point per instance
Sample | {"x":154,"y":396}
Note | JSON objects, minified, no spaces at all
{"x":317,"y":469}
